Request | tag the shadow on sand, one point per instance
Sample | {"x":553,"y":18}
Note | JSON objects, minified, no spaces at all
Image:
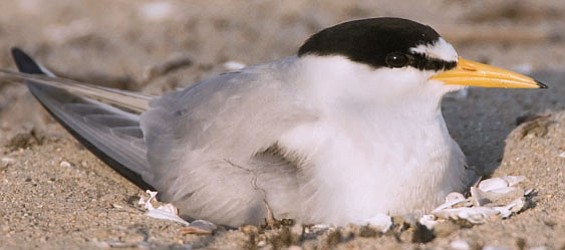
{"x":481,"y":121}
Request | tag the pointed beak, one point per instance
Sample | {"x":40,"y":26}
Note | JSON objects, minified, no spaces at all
{"x":470,"y":73}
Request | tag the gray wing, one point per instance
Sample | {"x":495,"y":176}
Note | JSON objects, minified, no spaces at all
{"x":210,"y":149}
{"x":110,"y":133}
{"x":207,"y":144}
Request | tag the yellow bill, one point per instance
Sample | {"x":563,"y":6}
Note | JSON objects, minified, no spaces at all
{"x":470,"y":73}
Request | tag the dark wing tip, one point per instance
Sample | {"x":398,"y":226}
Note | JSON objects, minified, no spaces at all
{"x":24,"y":62}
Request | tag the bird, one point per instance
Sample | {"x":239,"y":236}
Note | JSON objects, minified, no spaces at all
{"x":347,"y":128}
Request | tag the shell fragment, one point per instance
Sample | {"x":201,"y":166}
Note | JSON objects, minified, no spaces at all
{"x":491,"y":199}
{"x":164,"y":212}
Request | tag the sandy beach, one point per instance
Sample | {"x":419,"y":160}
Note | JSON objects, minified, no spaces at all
{"x":54,"y":194}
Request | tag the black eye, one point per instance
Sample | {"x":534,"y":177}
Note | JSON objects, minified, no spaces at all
{"x":396,"y":60}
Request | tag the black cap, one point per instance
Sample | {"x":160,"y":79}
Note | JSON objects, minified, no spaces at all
{"x":369,"y":41}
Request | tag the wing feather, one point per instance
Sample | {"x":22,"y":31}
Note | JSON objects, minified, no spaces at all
{"x":110,"y":133}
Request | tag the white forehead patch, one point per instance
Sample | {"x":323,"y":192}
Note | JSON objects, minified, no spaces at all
{"x":439,"y":50}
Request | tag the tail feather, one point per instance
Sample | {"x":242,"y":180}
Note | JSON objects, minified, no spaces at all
{"x":111,"y":133}
{"x":120,"y":98}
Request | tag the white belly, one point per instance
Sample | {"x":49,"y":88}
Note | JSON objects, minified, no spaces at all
{"x":360,"y":171}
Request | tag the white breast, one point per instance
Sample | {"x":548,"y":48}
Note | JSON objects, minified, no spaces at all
{"x":380,"y":144}
{"x":361,"y":169}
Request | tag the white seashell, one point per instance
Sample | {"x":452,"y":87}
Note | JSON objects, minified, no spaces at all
{"x":513,"y":207}
{"x":513,"y":180}
{"x":166,"y":212}
{"x":492,"y":184}
{"x":504,"y":190}
{"x":163,"y":212}
{"x":142,"y":201}
{"x":499,"y":197}
{"x":451,"y":200}
{"x":492,"y":198}
{"x":500,"y":182}
{"x":504,"y":212}
{"x":475,"y":215}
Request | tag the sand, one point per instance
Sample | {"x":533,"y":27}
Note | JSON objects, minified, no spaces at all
{"x":54,"y":194}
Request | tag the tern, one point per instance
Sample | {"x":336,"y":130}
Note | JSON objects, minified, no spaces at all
{"x":348,"y":128}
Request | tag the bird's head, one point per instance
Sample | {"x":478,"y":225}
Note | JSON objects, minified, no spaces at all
{"x":398,"y":57}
